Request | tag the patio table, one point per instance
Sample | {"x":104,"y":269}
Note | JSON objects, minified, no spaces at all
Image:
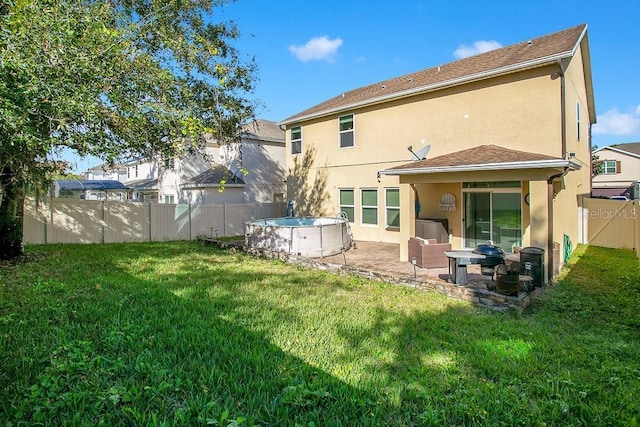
{"x":458,"y":261}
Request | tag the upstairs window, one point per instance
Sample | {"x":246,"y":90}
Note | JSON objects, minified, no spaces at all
{"x":578,"y":120}
{"x":610,"y":167}
{"x":296,"y":140}
{"x":346,"y":131}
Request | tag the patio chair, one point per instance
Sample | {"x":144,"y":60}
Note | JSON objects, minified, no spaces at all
{"x":428,"y":252}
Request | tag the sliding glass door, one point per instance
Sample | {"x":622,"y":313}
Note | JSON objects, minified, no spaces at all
{"x":492,"y":215}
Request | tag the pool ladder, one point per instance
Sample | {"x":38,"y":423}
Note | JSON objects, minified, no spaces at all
{"x":342,"y":215}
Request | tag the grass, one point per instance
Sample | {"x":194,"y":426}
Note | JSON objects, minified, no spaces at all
{"x":185,"y":334}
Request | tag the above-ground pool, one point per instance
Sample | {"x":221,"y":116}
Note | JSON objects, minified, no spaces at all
{"x":311,"y":237}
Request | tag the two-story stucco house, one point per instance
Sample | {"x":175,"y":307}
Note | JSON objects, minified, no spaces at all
{"x":496,"y":146}
{"x":251,"y":169}
{"x":619,"y":173}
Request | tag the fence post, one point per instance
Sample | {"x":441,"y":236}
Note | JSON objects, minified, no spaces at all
{"x":102,"y":217}
{"x":224,"y":219}
{"x":149,"y":218}
{"x":44,"y":217}
{"x":190,"y":232}
{"x":636,"y":227}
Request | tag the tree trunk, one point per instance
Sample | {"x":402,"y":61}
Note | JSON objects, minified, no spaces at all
{"x":11,"y":214}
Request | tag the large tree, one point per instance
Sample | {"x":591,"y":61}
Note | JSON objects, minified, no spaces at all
{"x":111,"y":78}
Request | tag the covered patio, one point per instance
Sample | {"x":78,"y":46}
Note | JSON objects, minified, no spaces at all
{"x":486,"y":194}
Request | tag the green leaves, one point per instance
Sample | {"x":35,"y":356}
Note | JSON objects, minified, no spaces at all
{"x":116,"y":80}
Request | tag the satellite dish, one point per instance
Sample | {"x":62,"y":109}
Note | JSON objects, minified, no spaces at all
{"x":421,"y":154}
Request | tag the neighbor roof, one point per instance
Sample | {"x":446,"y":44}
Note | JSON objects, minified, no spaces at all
{"x":532,"y":53}
{"x":483,"y":157}
{"x":262,"y":130}
{"x":85,"y":184}
{"x":632,"y":148}
{"x":143,"y":184}
{"x":212,"y":178}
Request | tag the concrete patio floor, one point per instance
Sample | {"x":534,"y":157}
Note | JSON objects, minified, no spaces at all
{"x":385,"y":258}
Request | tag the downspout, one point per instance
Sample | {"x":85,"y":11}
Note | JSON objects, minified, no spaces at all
{"x":417,"y":201}
{"x":550,"y":216}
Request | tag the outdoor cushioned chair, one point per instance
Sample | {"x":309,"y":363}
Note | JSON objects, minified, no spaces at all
{"x":428,"y":252}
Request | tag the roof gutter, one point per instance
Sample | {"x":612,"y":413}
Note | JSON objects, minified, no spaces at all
{"x":441,"y":85}
{"x":537,"y":164}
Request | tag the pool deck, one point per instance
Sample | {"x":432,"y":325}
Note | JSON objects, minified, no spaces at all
{"x":381,"y":261}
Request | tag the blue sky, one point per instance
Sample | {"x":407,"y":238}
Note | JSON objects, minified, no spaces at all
{"x":308,"y":51}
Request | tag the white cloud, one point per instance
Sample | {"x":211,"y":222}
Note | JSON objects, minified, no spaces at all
{"x":613,"y":122}
{"x":481,"y":46}
{"x":318,"y":48}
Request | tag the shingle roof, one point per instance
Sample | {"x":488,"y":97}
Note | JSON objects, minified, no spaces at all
{"x":631,"y":147}
{"x":484,"y":156}
{"x":143,"y":184}
{"x":213,"y":177}
{"x":535,"y":52}
{"x":263,"y":130}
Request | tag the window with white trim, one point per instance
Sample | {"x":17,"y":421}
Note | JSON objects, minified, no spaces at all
{"x":346,"y":131}
{"x":347,"y":202}
{"x":609,"y":167}
{"x":392,"y":203}
{"x":369,"y":202}
{"x":296,"y":140}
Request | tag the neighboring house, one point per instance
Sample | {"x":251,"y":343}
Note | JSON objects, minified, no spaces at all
{"x":249,"y":170}
{"x":619,"y":171}
{"x":97,"y":173}
{"x":139,"y":175}
{"x":142,"y":180}
{"x":506,"y":136}
{"x":103,"y":189}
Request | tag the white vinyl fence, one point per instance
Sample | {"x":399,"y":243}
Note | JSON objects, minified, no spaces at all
{"x":611,"y":223}
{"x":92,"y":221}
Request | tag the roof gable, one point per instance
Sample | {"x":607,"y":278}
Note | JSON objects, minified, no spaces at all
{"x":631,"y":149}
{"x":536,"y":52}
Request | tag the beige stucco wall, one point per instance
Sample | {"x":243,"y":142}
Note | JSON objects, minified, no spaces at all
{"x":568,"y":189}
{"x":505,"y":111}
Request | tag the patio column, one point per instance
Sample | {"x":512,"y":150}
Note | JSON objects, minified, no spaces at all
{"x":407,"y":219}
{"x":541,"y":211}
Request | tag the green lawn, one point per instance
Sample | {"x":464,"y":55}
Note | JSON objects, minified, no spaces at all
{"x":185,"y":334}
